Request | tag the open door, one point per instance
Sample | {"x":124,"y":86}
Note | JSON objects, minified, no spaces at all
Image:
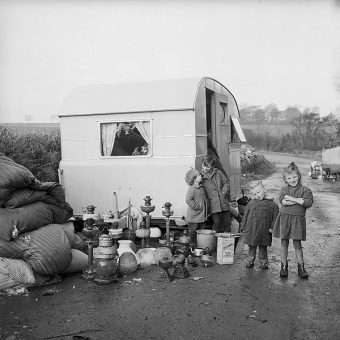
{"x":223,"y":136}
{"x":218,"y":129}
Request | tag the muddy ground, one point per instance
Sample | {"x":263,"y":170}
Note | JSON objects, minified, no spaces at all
{"x":230,"y":302}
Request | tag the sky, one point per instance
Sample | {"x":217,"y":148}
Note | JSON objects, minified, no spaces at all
{"x":264,"y":51}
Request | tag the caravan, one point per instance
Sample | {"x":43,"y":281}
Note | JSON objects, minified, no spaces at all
{"x":139,"y":139}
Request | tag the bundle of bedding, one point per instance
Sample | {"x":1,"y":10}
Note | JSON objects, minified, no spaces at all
{"x":41,"y":254}
{"x":27,"y":204}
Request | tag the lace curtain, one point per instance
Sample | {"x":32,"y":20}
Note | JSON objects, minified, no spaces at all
{"x":108,"y":135}
{"x":144,"y":130}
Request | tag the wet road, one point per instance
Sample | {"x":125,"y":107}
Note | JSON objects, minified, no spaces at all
{"x":230,"y":302}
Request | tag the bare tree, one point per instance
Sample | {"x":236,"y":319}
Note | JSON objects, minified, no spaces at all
{"x":311,"y":128}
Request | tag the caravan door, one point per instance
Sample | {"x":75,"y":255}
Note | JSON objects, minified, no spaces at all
{"x":228,"y":150}
{"x":222,"y":130}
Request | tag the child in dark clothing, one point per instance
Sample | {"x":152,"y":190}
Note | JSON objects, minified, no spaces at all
{"x":258,"y":222}
{"x":217,"y":189}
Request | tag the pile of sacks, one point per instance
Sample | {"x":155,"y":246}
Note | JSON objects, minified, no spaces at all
{"x":36,"y":241}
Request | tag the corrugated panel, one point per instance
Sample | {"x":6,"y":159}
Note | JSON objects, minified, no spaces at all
{"x":172,"y":94}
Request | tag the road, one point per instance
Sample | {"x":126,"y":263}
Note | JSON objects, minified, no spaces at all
{"x":230,"y":302}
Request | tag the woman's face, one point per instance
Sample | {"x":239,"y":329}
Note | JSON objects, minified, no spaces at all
{"x":292,"y":179}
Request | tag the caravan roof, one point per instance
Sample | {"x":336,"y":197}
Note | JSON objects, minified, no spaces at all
{"x":158,"y":95}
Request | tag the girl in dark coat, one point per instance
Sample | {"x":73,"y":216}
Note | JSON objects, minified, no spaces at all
{"x":291,"y":221}
{"x":258,"y":222}
{"x":197,"y":210}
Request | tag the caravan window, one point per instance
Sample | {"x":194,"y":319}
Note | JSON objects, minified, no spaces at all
{"x":130,"y":138}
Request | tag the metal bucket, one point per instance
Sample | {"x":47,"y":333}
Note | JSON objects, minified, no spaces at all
{"x":205,"y":238}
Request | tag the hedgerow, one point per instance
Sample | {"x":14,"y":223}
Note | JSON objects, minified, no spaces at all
{"x":39,"y":151}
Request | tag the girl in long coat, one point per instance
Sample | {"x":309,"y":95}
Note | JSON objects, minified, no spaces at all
{"x":217,"y":189}
{"x":197,"y":210}
{"x":291,"y":221}
{"x":258,"y":222}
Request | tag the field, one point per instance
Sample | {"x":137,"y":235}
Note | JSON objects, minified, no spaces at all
{"x":270,"y":129}
{"x":31,"y":127}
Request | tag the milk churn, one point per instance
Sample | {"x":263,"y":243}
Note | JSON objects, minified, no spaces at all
{"x":106,"y":261}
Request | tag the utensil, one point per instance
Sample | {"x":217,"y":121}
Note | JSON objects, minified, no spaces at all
{"x":200,"y":251}
{"x":207,"y":260}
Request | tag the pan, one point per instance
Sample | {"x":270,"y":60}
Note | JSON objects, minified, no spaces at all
{"x":207,"y":260}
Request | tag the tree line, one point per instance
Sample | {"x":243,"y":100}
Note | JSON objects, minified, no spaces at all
{"x":311,"y":133}
{"x":271,"y":114}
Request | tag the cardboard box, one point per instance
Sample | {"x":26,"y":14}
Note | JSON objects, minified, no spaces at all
{"x":225,"y":248}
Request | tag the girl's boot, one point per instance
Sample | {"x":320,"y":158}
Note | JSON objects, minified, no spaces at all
{"x":301,"y":271}
{"x":284,"y":270}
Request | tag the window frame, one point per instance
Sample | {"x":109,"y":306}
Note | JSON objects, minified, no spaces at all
{"x":142,"y":119}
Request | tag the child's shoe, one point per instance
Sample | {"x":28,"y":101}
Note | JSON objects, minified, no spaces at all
{"x":264,"y":265}
{"x":301,"y":271}
{"x":250,"y":265}
{"x":284,"y":270}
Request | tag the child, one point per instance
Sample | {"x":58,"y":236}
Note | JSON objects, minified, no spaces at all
{"x":197,"y":211}
{"x":217,"y":189}
{"x":258,"y":222}
{"x":291,"y":222}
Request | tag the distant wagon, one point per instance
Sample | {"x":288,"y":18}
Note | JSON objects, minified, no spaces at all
{"x":331,"y":163}
{"x":139,"y":139}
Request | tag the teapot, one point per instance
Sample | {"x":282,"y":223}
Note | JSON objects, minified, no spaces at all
{"x":198,"y":252}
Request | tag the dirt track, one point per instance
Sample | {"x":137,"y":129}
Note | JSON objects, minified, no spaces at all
{"x":231,"y":302}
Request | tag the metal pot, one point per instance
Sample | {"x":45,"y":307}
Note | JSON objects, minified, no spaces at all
{"x":207,"y":260}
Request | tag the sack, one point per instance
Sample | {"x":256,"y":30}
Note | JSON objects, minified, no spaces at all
{"x":78,"y":263}
{"x":12,"y":176}
{"x":49,"y":250}
{"x":11,"y":250}
{"x":18,"y":271}
{"x":30,"y":217}
{"x":26,"y":218}
{"x":24,"y":196}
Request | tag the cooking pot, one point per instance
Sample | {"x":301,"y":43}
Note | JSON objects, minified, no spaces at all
{"x":207,"y":260}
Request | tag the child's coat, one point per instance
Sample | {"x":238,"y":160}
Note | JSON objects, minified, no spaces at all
{"x":258,"y":218}
{"x":217,"y":189}
{"x":291,"y":221}
{"x":197,"y":211}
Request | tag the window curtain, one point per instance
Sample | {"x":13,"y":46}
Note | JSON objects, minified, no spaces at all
{"x":144,"y":130}
{"x":108,"y":135}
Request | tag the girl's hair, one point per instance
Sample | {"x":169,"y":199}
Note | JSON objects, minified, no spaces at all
{"x":255,"y":184}
{"x":208,"y":160}
{"x":191,"y":175}
{"x":290,"y":169}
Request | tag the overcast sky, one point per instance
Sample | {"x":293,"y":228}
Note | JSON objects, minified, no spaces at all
{"x":283,"y":52}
